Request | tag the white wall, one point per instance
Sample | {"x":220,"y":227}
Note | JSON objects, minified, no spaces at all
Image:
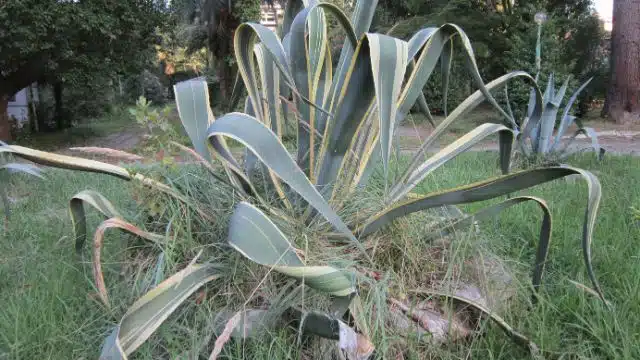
{"x":19,"y":107}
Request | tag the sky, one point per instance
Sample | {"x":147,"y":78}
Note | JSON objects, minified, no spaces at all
{"x":604,"y":8}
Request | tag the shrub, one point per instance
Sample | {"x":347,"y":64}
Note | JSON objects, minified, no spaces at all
{"x":322,"y":250}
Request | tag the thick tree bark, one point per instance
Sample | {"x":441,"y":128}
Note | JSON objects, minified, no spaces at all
{"x":5,"y":126}
{"x":623,"y":95}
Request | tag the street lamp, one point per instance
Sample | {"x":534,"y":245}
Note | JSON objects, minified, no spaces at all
{"x":539,"y":18}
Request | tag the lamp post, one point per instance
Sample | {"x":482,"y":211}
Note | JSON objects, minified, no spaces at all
{"x":539,"y":18}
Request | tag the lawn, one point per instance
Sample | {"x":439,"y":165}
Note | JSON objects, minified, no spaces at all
{"x":49,"y":308}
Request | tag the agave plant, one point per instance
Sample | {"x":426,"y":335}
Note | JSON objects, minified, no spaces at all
{"x":346,"y":117}
{"x":543,"y":138}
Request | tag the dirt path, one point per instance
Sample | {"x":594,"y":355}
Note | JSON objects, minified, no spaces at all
{"x":612,"y":138}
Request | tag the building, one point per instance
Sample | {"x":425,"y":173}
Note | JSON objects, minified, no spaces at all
{"x":20,"y":102}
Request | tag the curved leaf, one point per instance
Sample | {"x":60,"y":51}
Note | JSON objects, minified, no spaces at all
{"x":256,"y":237}
{"x":497,"y":187}
{"x":490,"y":211}
{"x":517,"y":337}
{"x":566,"y":120}
{"x":265,"y":145}
{"x":78,"y":217}
{"x":464,"y":108}
{"x":98,"y":238}
{"x":65,"y":162}
{"x":451,"y":151}
{"x":146,"y":315}
{"x":194,"y":109}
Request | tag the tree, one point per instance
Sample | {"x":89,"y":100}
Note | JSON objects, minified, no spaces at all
{"x":41,"y":40}
{"x":212,"y":25}
{"x":623,"y":96}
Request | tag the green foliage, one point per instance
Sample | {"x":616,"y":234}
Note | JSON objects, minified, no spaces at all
{"x":247,"y":10}
{"x":573,"y":39}
{"x":156,"y":121}
{"x":84,"y":35}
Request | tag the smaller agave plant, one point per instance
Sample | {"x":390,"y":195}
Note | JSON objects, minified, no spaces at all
{"x":542,"y":138}
{"x":7,"y":168}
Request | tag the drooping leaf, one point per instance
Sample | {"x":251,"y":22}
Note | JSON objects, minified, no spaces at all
{"x":98,"y":239}
{"x":493,"y":188}
{"x":491,"y":211}
{"x":65,"y":162}
{"x":454,"y":149}
{"x":78,"y":217}
{"x":270,"y":151}
{"x":517,"y":337}
{"x":257,"y":238}
{"x":146,"y":315}
{"x":464,"y":108}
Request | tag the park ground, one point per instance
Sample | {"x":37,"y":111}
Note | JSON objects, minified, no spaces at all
{"x":50,"y":309}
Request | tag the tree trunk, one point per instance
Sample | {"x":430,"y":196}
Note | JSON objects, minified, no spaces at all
{"x":58,"y":112}
{"x":5,"y":126}
{"x":623,"y":96}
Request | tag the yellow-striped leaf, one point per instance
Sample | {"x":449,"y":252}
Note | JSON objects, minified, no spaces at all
{"x":256,"y":237}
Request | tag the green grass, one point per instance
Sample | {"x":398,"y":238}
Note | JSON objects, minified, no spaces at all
{"x":48,"y":310}
{"x":117,"y":120}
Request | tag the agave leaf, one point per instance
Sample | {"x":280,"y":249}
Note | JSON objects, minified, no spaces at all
{"x":361,"y":19}
{"x":98,"y":239}
{"x":259,"y":239}
{"x":146,"y":315}
{"x":424,"y":107}
{"x":22,"y":168}
{"x":194,"y":109}
{"x":548,"y":121}
{"x":354,"y":104}
{"x":265,"y":145}
{"x":566,"y":120}
{"x":387,"y":53}
{"x":65,"y":162}
{"x":517,"y":337}
{"x":433,"y":47}
{"x":446,"y":60}
{"x":355,"y":346}
{"x":291,"y":9}
{"x":493,"y":188}
{"x":560,"y":94}
{"x":451,"y":151}
{"x":595,"y":145}
{"x":312,"y":72}
{"x":78,"y":217}
{"x":490,"y":211}
{"x":245,"y":39}
{"x":196,"y":112}
{"x":464,"y":108}
{"x":270,"y":78}
{"x":369,"y":79}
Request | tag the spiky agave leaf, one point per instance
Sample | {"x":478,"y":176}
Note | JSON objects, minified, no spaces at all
{"x":98,"y":239}
{"x":258,"y":239}
{"x":493,"y":188}
{"x":146,"y":315}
